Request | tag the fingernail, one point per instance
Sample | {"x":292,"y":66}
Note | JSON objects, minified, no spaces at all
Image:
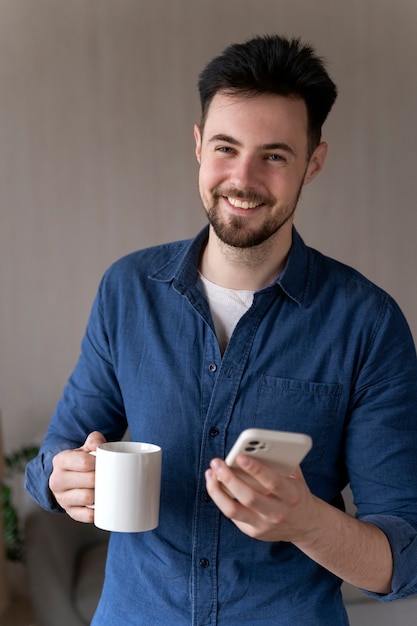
{"x":215,"y":464}
{"x":244,"y":461}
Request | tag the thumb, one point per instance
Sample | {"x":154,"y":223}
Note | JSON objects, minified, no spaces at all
{"x":297,"y":474}
{"x":93,"y":440}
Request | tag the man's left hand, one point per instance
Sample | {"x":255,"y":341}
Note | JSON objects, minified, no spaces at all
{"x":274,"y":508}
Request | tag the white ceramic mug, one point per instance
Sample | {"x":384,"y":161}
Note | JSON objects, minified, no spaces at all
{"x":127,"y":486}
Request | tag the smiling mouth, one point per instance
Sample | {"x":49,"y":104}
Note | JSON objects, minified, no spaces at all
{"x":243,"y":204}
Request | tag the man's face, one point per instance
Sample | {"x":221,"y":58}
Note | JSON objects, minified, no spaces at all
{"x":253,"y":156}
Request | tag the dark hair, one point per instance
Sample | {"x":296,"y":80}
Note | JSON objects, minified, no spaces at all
{"x":275,"y":65}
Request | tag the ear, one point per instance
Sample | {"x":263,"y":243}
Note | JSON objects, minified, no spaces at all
{"x":316,"y":162}
{"x":197,"y":137}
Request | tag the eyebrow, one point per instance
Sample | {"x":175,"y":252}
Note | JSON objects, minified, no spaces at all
{"x":278,"y":145}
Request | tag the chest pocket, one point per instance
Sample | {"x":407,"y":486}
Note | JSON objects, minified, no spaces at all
{"x":299,"y":406}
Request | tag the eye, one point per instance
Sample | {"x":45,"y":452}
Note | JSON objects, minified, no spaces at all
{"x":276,"y":158}
{"x":225,"y":149}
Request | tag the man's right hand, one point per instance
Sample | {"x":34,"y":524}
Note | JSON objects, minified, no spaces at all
{"x":72,"y":479}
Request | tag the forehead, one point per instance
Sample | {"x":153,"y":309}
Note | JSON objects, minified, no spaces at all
{"x":266,"y":117}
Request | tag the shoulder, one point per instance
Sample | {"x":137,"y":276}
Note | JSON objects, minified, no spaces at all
{"x":351,"y":294}
{"x":150,"y":260}
{"x":343,"y":276}
{"x":312,"y":277}
{"x":142,"y":264}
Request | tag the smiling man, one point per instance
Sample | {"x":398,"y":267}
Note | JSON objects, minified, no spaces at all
{"x":245,"y":326}
{"x":254,"y":159}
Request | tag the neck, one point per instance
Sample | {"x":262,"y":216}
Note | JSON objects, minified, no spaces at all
{"x":245,"y":268}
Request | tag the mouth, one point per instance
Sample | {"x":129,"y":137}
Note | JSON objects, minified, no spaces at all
{"x":243,"y":204}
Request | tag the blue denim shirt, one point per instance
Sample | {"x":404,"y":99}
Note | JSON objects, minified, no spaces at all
{"x":321,"y":351}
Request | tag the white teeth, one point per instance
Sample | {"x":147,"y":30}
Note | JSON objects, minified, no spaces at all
{"x":242,"y":204}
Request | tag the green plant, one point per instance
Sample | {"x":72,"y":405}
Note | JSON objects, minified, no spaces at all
{"x":15,"y":464}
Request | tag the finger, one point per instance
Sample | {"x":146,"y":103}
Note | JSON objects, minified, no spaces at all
{"x":285,"y":488}
{"x":73,"y":461}
{"x":72,"y":479}
{"x":65,"y":480}
{"x":236,"y":489}
{"x":247,"y":519}
{"x":93,"y":440}
{"x":72,"y":488}
{"x":72,"y":491}
{"x":268,"y":494}
{"x":253,"y":513}
{"x":222,"y":497}
{"x":77,"y":498}
{"x":237,"y":480}
{"x":81,"y":514}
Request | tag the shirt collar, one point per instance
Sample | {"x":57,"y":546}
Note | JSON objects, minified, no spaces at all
{"x":182,"y":269}
{"x":294,"y":280}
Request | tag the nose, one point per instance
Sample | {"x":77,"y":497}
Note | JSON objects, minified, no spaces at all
{"x":245,"y":173}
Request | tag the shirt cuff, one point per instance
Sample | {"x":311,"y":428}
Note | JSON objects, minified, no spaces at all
{"x":37,"y":476}
{"x":402,"y":537}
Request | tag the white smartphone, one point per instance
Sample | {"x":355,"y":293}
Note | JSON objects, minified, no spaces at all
{"x":282,"y":450}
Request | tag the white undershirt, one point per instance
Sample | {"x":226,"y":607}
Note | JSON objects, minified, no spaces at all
{"x":227,"y":307}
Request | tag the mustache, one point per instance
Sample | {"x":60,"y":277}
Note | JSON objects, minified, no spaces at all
{"x":249,"y":196}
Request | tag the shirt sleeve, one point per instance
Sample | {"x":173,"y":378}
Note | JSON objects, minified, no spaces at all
{"x":381,"y":443}
{"x":91,"y":401}
{"x":403,"y":540}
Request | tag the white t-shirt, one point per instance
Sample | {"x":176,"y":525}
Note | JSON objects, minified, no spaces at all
{"x":227,"y":307}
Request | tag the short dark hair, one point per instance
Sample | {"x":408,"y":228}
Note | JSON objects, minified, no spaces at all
{"x":274,"y":65}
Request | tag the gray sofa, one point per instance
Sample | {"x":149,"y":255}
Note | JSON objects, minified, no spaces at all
{"x":65,"y":563}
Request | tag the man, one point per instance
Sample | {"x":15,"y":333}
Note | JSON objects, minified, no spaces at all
{"x":190,"y":343}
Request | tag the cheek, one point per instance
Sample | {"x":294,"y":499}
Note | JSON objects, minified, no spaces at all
{"x":287,"y":184}
{"x":205,"y":186}
{"x":213,"y":171}
{"x":208,"y":179}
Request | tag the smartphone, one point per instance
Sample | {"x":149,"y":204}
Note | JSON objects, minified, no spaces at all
{"x":282,"y":450}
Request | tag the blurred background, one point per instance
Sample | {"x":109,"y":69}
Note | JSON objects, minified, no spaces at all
{"x":97,"y":104}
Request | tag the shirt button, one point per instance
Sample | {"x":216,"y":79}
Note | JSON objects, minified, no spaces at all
{"x":213,"y":431}
{"x":204,"y":563}
{"x":206,"y":497}
{"x":212,"y":368}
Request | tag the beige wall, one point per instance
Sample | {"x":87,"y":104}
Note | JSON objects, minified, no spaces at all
{"x":97,"y":103}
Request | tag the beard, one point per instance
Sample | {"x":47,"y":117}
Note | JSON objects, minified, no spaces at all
{"x":234,"y":230}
